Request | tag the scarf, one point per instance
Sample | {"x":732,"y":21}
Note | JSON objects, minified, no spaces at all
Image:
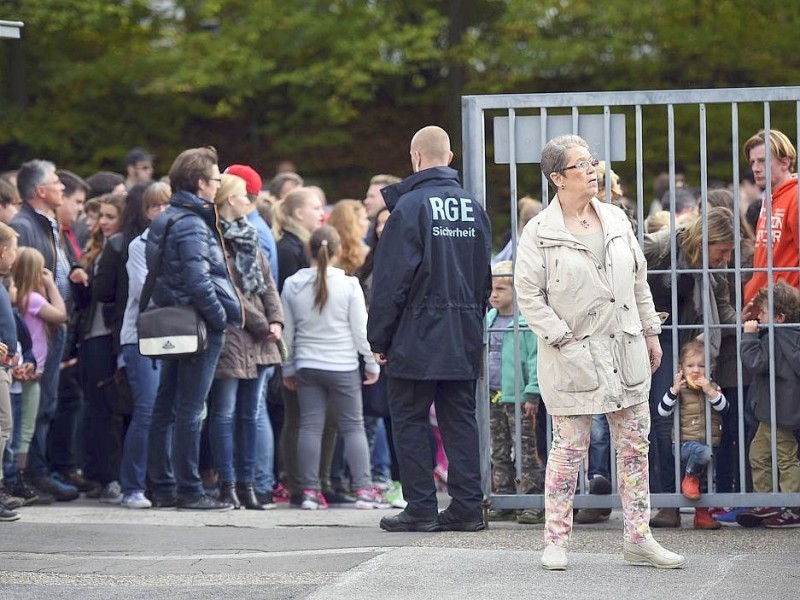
{"x":242,"y":240}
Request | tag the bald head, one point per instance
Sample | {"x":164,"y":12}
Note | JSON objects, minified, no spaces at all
{"x":430,"y":147}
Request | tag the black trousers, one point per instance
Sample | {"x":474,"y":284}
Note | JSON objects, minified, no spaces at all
{"x":409,"y":403}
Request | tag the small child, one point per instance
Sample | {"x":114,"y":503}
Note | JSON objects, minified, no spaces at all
{"x":756,"y":359}
{"x":694,"y":389}
{"x":503,"y":400}
{"x":40,"y":304}
{"x":15,"y":458}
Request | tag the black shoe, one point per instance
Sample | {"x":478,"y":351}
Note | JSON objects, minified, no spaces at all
{"x":78,"y":481}
{"x":204,"y":502}
{"x":247,"y":494}
{"x":296,"y":500}
{"x":449,"y":521}
{"x":267,"y":499}
{"x":337,"y":498}
{"x":599,"y":485}
{"x":163,"y":501}
{"x":6,"y":514}
{"x":403,"y":521}
{"x":9,"y":499}
{"x":227,"y":494}
{"x":60,"y":491}
{"x":29,"y":494}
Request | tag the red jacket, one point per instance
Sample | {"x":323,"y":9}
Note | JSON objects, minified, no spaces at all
{"x":785,"y":250}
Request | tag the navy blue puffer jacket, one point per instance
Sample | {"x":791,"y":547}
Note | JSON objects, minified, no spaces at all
{"x":193,"y":267}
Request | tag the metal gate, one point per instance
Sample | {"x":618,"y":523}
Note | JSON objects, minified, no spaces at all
{"x":704,"y":131}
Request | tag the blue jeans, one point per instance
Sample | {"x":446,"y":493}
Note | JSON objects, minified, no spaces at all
{"x":237,"y":398}
{"x":696,"y":455}
{"x":37,"y":454}
{"x":10,"y":454}
{"x":265,"y":440}
{"x":177,"y":419}
{"x":380,"y":458}
{"x":600,"y":448}
{"x":143,"y":376}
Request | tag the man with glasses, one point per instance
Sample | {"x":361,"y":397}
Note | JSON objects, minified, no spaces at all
{"x":62,"y":441}
{"x":42,"y":194}
{"x":192,"y":271}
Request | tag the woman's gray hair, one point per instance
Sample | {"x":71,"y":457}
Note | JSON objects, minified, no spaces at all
{"x":554,"y":154}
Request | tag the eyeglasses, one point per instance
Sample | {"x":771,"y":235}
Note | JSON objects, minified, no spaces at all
{"x":217,"y":179}
{"x":583,"y":165}
{"x":56,"y":182}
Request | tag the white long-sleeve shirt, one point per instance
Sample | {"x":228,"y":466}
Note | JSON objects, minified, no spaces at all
{"x":331,"y":339}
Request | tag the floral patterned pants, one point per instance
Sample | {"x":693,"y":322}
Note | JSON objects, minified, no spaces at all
{"x":629,"y":429}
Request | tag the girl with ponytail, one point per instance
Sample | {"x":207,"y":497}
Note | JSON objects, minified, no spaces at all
{"x":325,"y":331}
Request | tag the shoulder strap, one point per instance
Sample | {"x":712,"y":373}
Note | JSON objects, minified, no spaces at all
{"x":152,"y":274}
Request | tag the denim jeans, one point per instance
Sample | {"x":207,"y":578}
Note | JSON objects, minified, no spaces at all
{"x":696,"y":455}
{"x":600,"y":448}
{"x":265,"y":439}
{"x":233,"y":410}
{"x":380,"y":457}
{"x":62,"y":442}
{"x":10,"y":454}
{"x":143,"y":376}
{"x":177,"y":419}
{"x":37,"y":455}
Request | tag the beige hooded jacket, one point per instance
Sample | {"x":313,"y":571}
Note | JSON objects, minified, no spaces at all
{"x":564,"y":290}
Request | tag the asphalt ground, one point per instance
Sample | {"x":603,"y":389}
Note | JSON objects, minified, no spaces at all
{"x":88,"y":550}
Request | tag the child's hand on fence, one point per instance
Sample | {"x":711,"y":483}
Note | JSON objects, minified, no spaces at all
{"x":677,"y":382}
{"x":751,"y":326}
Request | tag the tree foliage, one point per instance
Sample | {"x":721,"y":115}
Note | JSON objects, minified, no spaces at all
{"x":339,"y":86}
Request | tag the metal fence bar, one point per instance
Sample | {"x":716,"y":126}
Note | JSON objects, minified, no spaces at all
{"x":475,"y":180}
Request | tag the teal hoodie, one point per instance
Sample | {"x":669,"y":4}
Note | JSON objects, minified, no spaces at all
{"x":529,"y":385}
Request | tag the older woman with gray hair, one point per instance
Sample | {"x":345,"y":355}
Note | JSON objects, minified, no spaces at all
{"x":581,"y":282}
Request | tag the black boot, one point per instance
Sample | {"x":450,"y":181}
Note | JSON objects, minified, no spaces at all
{"x":248,"y":495}
{"x":228,"y":494}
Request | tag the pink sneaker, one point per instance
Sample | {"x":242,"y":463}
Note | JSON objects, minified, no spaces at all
{"x":313,"y":500}
{"x":280,"y":493}
{"x":369,"y":499}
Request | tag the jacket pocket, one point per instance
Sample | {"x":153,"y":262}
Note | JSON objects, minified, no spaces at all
{"x":576,"y":370}
{"x":632,"y":357}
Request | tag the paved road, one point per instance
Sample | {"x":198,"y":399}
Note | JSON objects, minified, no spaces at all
{"x":90,"y":551}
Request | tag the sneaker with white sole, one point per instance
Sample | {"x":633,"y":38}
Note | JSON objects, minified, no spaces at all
{"x":111,"y":494}
{"x":394,"y":497}
{"x":788,"y":519}
{"x":313,"y":500}
{"x":554,"y":558}
{"x":367,"y":499}
{"x":135,"y":500}
{"x":650,"y":552}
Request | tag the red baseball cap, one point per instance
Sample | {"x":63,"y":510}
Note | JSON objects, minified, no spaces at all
{"x":251,"y":178}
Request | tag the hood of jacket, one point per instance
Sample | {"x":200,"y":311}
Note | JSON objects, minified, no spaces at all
{"x":433,"y":177}
{"x":788,"y":344}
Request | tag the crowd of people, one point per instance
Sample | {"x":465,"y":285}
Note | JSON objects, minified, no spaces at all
{"x":345,"y":343}
{"x":284,"y":299}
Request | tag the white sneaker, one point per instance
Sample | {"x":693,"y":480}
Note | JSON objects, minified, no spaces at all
{"x":650,"y":552}
{"x":554,"y":558}
{"x":136,"y":500}
{"x":111,"y":494}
